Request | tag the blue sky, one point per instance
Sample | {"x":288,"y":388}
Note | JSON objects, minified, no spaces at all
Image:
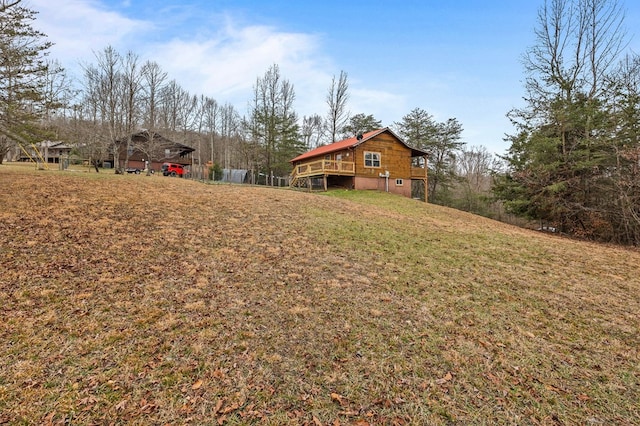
{"x":453,"y":59}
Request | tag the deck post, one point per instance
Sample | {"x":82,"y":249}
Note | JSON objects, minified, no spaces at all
{"x":425,"y":190}
{"x":325,"y":183}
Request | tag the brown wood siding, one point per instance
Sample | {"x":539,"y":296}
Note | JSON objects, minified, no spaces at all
{"x":394,"y":157}
{"x":346,"y":156}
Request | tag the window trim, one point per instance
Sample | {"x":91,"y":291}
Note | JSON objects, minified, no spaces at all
{"x":399,"y":182}
{"x":373,"y":159}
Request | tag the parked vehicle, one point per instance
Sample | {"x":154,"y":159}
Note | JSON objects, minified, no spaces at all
{"x":172,"y":169}
{"x":133,"y":170}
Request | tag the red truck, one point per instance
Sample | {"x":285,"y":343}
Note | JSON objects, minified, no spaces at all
{"x":172,"y":169}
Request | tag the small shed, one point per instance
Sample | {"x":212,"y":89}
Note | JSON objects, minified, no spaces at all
{"x":377,"y":160}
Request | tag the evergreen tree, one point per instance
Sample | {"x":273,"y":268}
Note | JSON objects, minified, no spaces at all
{"x":273,"y":122}
{"x":418,"y":128}
{"x":22,"y":76}
{"x":441,"y":141}
{"x":568,"y":155}
{"x":360,"y":123}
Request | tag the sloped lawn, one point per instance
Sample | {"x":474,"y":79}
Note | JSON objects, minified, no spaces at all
{"x":152,"y":300}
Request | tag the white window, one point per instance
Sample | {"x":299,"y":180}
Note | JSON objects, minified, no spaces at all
{"x":371,"y":159}
{"x":399,"y":182}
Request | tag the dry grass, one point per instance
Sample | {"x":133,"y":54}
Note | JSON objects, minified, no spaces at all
{"x":151,"y":300}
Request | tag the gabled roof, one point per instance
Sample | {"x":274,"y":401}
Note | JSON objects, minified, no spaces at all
{"x":352,"y":143}
{"x":145,"y":135}
{"x":161,"y":142}
{"x":53,"y":144}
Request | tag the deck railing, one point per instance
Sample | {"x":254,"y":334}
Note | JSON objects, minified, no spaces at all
{"x":418,"y":172}
{"x":324,"y":167}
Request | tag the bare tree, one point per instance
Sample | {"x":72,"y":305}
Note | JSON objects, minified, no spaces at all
{"x":58,"y":90}
{"x":103,"y":94}
{"x":132,"y":88}
{"x":5,"y":5}
{"x":312,"y":130}
{"x":87,"y":119}
{"x":178,"y":109}
{"x":577,"y":44}
{"x":170,"y":100}
{"x":337,"y":102}
{"x":474,"y":165}
{"x":229,"y":133}
{"x":153,"y":81}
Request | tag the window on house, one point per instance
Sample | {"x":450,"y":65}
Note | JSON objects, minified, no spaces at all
{"x":372,"y":159}
{"x":399,"y":182}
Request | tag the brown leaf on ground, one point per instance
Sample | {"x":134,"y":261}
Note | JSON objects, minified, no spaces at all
{"x":447,"y":377}
{"x":339,"y":399}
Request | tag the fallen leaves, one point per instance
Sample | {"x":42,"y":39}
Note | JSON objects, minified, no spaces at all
{"x":341,"y":400}
{"x":119,"y":308}
{"x":446,"y":378}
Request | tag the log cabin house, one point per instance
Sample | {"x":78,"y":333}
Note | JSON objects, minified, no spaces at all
{"x":378,"y":160}
{"x":152,"y":149}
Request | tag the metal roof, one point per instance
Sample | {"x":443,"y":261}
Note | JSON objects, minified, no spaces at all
{"x":352,"y":143}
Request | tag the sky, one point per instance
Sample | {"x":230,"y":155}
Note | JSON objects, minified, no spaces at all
{"x":454,"y":59}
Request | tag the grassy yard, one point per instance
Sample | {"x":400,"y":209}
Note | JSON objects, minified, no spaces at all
{"x":154,"y":300}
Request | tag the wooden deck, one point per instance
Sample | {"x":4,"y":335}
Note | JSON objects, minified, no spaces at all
{"x":337,"y":168}
{"x":322,"y":168}
{"x":325,"y":167}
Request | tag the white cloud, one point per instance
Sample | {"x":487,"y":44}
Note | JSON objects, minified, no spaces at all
{"x":79,"y":27}
{"x":231,"y":60}
{"x":221,"y":58}
{"x":225,"y":65}
{"x":383,"y":105}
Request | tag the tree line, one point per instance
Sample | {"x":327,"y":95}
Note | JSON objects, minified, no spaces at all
{"x":119,"y":94}
{"x":574,"y":160}
{"x":572,"y":165}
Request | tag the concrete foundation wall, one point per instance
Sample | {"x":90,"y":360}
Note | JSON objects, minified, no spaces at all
{"x":378,"y":183}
